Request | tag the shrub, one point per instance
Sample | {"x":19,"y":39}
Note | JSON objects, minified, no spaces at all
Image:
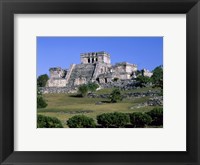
{"x":113,"y":119}
{"x":105,"y":119}
{"x":42,"y":80}
{"x":157,"y":116}
{"x":115,"y":96}
{"x":41,"y":103}
{"x":83,"y":90}
{"x":120,"y":119}
{"x":48,"y":122}
{"x":81,"y":121}
{"x":92,"y":86}
{"x":139,"y":119}
{"x":143,"y":80}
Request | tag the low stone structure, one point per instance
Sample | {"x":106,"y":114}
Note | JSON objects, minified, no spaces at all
{"x":155,"y":101}
{"x":45,"y":90}
{"x":146,"y":73}
{"x":131,"y":95}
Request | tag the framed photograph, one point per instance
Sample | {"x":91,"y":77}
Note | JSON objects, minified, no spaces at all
{"x":100,"y":89}
{"x":99,"y":82}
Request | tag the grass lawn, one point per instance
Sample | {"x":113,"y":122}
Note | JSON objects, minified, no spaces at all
{"x":64,"y":106}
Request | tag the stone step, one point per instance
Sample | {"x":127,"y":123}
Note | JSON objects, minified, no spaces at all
{"x":82,"y":70}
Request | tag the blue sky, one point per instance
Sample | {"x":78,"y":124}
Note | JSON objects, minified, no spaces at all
{"x":146,"y":52}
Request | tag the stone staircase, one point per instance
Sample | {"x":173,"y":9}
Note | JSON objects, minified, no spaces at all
{"x":81,"y":70}
{"x":67,"y":77}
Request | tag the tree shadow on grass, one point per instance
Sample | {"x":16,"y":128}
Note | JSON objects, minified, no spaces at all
{"x":75,"y":95}
{"x":106,"y":101}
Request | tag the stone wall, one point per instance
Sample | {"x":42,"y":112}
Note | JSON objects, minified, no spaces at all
{"x":124,"y":70}
{"x":122,"y":84}
{"x":56,"y":83}
{"x":95,"y":57}
{"x":80,"y":81}
{"x":146,"y":73}
{"x":155,"y":100}
{"x":57,"y":72}
{"x":46,"y":90}
{"x":125,"y":67}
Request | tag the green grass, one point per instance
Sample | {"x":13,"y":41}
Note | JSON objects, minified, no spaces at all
{"x":64,"y":106}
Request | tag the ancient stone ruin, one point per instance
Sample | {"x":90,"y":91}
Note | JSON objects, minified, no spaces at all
{"x":94,"y":67}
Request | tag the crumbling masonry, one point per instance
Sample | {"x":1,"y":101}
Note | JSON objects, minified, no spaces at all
{"x":94,"y":67}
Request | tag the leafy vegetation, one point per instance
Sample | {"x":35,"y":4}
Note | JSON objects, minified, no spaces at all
{"x":105,"y":119}
{"x":157,"y":116}
{"x":64,"y":106}
{"x":157,"y":77}
{"x":92,"y":86}
{"x":115,"y":96}
{"x":48,"y":122}
{"x":143,"y":80}
{"x":83,"y":90}
{"x":139,"y":119}
{"x":41,"y":103}
{"x":81,"y":121}
{"x":42,"y":80}
{"x":113,"y":119}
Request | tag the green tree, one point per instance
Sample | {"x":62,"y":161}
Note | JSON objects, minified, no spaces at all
{"x":115,"y":96}
{"x":81,"y":121}
{"x":157,"y":77}
{"x":42,"y":80}
{"x":83,"y":90}
{"x":143,"y":80}
{"x":48,"y":122}
{"x":92,"y":86}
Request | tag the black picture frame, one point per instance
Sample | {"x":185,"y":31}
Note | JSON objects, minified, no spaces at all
{"x":10,"y":7}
